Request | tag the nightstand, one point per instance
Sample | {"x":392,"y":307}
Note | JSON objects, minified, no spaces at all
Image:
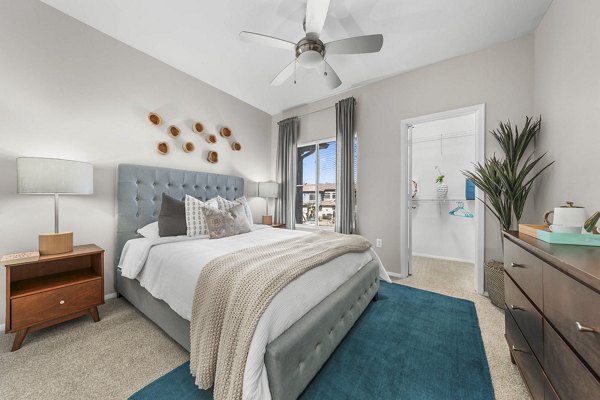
{"x":54,"y":289}
{"x":278,"y":226}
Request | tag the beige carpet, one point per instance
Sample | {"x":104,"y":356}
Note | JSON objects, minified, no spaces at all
{"x":123,"y":352}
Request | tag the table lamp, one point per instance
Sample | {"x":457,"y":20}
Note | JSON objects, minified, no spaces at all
{"x":268,"y":190}
{"x":54,"y":176}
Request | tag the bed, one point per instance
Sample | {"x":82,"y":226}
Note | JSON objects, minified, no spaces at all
{"x":293,"y":350}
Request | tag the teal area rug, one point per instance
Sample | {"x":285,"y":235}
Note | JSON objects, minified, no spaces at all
{"x":411,"y":344}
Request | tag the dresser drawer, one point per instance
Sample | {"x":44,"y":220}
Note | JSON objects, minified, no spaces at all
{"x":568,"y":302}
{"x":528,"y":319}
{"x":45,"y":306}
{"x":570,"y":378}
{"x":526,"y":361}
{"x":526,"y":271}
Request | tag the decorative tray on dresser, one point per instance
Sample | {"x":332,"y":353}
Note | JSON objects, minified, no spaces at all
{"x":552,"y":316}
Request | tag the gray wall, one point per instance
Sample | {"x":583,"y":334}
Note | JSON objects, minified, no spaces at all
{"x":69,"y":91}
{"x":567,"y":95}
{"x":500,"y":76}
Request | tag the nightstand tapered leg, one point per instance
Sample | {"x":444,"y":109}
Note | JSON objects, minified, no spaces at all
{"x":19,"y":339}
{"x":94,"y":313}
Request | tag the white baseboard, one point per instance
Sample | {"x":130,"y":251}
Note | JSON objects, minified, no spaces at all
{"x":443,"y":258}
{"x":2,"y":327}
{"x":394,"y":274}
{"x":110,"y":296}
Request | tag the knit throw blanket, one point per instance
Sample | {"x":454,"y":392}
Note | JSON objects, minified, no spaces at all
{"x":233,"y":292}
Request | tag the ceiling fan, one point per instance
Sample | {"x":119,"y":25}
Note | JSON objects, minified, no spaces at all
{"x":311,"y":51}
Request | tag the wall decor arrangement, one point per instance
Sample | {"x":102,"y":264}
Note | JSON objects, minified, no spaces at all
{"x":154,"y":119}
{"x":212,"y":139}
{"x":236,"y":146}
{"x":162,"y":148}
{"x":198,"y":127}
{"x":173,"y":131}
{"x":213,"y":157}
{"x":188,"y":147}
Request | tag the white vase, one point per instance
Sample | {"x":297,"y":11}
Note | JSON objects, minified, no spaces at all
{"x":442,"y":191}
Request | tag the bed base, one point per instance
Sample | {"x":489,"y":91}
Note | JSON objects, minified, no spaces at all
{"x":295,"y":357}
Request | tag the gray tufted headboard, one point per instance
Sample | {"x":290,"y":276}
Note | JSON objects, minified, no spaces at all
{"x":140,"y":188}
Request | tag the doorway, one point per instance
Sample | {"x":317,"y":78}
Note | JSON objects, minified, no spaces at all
{"x":440,"y":216}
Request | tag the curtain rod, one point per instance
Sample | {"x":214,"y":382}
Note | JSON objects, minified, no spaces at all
{"x":320,"y":109}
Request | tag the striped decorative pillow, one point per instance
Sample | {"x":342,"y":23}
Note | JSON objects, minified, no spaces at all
{"x":225,"y":204}
{"x":194,"y":217}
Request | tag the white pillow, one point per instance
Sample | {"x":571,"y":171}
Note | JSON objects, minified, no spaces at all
{"x":194,"y":217}
{"x":149,"y":231}
{"x":225,"y":204}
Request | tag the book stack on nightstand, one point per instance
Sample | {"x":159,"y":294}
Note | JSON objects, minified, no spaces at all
{"x":42,"y":291}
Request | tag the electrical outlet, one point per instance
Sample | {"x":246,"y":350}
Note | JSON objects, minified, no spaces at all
{"x":379,"y":243}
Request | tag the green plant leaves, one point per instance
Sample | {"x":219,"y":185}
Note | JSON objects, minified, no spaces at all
{"x":507,"y":182}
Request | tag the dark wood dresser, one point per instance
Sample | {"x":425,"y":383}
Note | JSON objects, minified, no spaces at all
{"x":552,"y":316}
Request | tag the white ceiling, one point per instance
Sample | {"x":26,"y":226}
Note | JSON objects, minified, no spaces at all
{"x":200,"y":37}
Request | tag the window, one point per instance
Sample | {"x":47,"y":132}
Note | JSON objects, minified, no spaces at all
{"x":315,"y":195}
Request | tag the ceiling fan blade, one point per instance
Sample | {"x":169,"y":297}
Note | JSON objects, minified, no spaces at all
{"x":316,"y":13}
{"x":284,"y":74}
{"x":332,"y":79}
{"x":265,"y":40}
{"x":355,"y":45}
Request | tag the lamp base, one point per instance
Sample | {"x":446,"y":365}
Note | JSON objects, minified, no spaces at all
{"x":267,"y":220}
{"x":56,"y":243}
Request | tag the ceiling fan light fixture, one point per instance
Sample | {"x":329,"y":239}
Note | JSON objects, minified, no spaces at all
{"x":310,"y":53}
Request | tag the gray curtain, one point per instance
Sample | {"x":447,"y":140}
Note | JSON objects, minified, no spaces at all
{"x":344,"y":199}
{"x":287,"y":147}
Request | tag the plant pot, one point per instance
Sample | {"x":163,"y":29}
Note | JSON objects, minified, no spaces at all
{"x":213,"y":157}
{"x":188,"y":147}
{"x":442,"y":191}
{"x":198,"y":127}
{"x":162,"y":148}
{"x":225,"y":132}
{"x":212,"y":139}
{"x":494,"y":282}
{"x":154,"y":119}
{"x":173,"y":131}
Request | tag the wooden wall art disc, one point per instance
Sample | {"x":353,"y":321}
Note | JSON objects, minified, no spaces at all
{"x":162,"y":148}
{"x":212,"y":139}
{"x":154,"y":119}
{"x":173,"y":131}
{"x":213,"y":157}
{"x":188,"y":147}
{"x":225,"y":132}
{"x":198,"y":127}
{"x":236,"y":146}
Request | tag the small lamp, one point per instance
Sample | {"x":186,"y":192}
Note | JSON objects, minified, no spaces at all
{"x":54,"y":176}
{"x":268,"y":190}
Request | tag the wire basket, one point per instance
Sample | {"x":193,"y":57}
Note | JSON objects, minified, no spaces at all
{"x":494,"y":282}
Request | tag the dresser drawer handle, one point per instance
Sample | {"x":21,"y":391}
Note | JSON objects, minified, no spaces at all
{"x":519,"y":350}
{"x":515,"y":265}
{"x":583,"y":328}
{"x":61,"y":302}
{"x":513,"y":307}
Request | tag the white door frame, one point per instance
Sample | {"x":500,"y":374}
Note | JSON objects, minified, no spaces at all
{"x":405,"y":199}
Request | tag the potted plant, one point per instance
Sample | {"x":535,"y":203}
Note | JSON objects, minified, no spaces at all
{"x":442,"y":188}
{"x":507,"y":183}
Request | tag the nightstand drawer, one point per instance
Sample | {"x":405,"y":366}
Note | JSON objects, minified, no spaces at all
{"x":45,"y":306}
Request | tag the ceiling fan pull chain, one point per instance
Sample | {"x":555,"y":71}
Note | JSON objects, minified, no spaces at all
{"x":295,"y":65}
{"x":325,"y":61}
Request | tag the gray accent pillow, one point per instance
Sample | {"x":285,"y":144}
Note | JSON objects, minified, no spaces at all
{"x":223,"y":223}
{"x":171,"y":219}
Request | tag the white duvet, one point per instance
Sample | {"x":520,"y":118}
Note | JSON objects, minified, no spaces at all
{"x":169,"y":268}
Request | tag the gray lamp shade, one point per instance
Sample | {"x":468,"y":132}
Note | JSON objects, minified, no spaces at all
{"x":268,"y":190}
{"x":54,"y":176}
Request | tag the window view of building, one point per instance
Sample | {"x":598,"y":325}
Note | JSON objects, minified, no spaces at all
{"x":315,"y":195}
